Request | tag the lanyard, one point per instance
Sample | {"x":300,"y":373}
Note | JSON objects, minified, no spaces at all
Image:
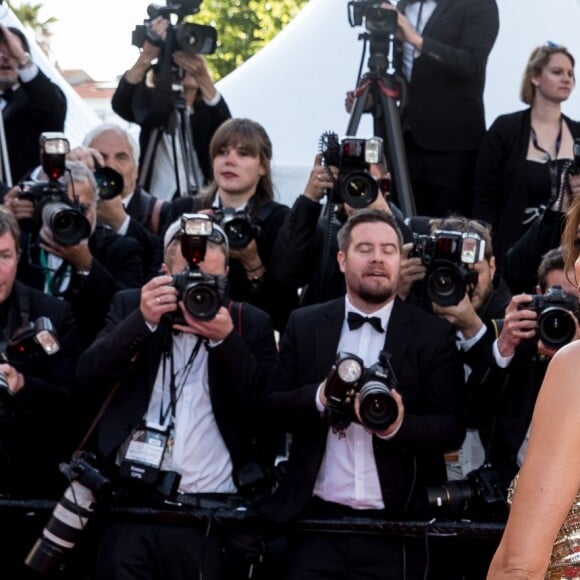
{"x":552,"y":163}
{"x":175,"y":390}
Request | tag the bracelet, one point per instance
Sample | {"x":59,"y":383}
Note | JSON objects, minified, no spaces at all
{"x":255,"y":269}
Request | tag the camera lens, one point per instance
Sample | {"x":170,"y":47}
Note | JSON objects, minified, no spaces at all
{"x":239,"y":232}
{"x":202,"y":301}
{"x":67,"y":224}
{"x":445,"y":285}
{"x":109,"y":182}
{"x":378,"y":410}
{"x":358,"y":189}
{"x":454,"y":497}
{"x":556,"y":327}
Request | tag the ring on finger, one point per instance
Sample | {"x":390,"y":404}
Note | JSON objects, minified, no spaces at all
{"x":158,"y":299}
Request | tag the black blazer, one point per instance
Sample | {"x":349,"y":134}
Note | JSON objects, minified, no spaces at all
{"x":41,"y":433}
{"x":33,"y":108}
{"x":128,"y":351}
{"x":117,"y":264}
{"x":134,"y":103}
{"x":500,"y":192}
{"x":430,"y":378}
{"x":444,"y":110}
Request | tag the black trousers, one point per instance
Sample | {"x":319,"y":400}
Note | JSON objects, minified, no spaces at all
{"x":147,"y":551}
{"x":346,"y":555}
{"x":442,"y":181}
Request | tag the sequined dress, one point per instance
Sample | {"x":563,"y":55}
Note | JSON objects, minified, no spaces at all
{"x":565,"y":558}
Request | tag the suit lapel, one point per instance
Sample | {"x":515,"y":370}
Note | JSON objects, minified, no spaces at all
{"x":439,"y":10}
{"x":328,"y":335}
{"x":399,"y":333}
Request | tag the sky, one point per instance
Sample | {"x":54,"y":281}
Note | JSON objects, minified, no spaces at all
{"x":95,"y":35}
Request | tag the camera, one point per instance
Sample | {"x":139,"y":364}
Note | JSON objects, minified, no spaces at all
{"x":446,"y":255}
{"x":378,"y":19}
{"x":202,"y":294}
{"x":354,"y":184}
{"x":52,"y":206}
{"x":556,"y":321}
{"x":348,"y":376}
{"x":237,"y":226}
{"x":480,"y":494}
{"x":32,"y":339}
{"x":110,"y":183}
{"x":186,"y":36}
{"x":575,"y":167}
{"x":70,"y":515}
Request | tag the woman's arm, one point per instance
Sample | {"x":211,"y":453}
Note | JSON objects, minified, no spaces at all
{"x":550,"y":476}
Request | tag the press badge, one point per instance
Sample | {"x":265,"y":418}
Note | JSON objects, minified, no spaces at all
{"x":143,"y":454}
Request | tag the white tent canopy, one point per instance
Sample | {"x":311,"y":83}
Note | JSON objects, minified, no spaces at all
{"x":295,"y":86}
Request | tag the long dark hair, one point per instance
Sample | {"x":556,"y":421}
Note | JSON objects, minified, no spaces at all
{"x":253,"y":138}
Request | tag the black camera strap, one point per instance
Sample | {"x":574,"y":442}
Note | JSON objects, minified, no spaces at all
{"x":175,"y":389}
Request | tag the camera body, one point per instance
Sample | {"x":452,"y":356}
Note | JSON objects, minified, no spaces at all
{"x":202,"y":294}
{"x":378,"y":19}
{"x":70,"y":515}
{"x":556,"y":319}
{"x":479,"y":495}
{"x":348,"y":376}
{"x":354,"y":184}
{"x":575,"y":167}
{"x":52,"y":206}
{"x":446,"y":255}
{"x":237,"y":225}
{"x":186,"y":36}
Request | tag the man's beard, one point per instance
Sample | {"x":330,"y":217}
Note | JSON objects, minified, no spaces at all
{"x":375,"y":295}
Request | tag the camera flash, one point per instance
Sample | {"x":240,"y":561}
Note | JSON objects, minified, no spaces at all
{"x":349,"y":370}
{"x":54,"y":143}
{"x":374,"y":150}
{"x":47,"y":341}
{"x":196,"y":224}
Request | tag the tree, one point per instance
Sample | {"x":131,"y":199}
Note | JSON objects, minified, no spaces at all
{"x":27,"y":13}
{"x":243,"y":27}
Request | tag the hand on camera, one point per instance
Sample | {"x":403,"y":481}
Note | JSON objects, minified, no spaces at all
{"x":14,"y":379}
{"x":462,"y":316}
{"x":519,"y":324}
{"x":320,"y":180}
{"x":112,"y":212}
{"x":87,"y":155}
{"x":158,"y":297}
{"x":20,"y":208}
{"x":195,"y":66}
{"x":412,"y":269}
{"x":215,"y":329}
{"x":12,"y":44}
{"x":78,"y":255}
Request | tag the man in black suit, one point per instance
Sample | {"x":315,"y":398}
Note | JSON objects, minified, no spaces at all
{"x":86,"y":273}
{"x":192,"y":383}
{"x":442,"y":53}
{"x":32,"y":104}
{"x":359,"y":471}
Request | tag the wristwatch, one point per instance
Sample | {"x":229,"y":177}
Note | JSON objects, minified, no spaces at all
{"x":26,"y":62}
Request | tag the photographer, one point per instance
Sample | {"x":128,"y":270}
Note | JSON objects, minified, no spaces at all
{"x":85,"y":273}
{"x":134,"y":101}
{"x":357,"y":471}
{"x":191,"y":383}
{"x":506,"y":396}
{"x":307,"y":239}
{"x":32,"y":104}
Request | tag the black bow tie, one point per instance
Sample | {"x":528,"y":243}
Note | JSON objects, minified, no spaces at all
{"x":355,"y":321}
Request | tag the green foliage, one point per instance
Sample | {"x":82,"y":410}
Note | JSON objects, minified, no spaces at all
{"x":243,"y":26}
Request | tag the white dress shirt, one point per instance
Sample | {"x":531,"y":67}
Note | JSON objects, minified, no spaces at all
{"x":418,"y":14}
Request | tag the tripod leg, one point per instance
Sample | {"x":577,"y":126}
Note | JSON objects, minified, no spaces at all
{"x":361,"y":97}
{"x":395,"y":149}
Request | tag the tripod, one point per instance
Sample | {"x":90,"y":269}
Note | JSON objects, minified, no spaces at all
{"x":383,"y":90}
{"x":186,"y":169}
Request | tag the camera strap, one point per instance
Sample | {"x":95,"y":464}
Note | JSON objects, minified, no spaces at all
{"x":552,"y":162}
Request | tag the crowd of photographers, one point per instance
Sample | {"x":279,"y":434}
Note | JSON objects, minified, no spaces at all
{"x":175,"y":341}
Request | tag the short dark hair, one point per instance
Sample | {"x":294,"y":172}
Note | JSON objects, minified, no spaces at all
{"x":9,"y":224}
{"x":551,"y":260}
{"x":366,"y":216}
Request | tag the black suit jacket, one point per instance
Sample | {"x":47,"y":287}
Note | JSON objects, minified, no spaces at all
{"x":40,"y":433}
{"x":444,"y":110}
{"x":134,"y":103}
{"x":117,"y":264}
{"x":33,"y":108}
{"x":127,"y":351}
{"x":430,"y":378}
{"x":500,"y":193}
